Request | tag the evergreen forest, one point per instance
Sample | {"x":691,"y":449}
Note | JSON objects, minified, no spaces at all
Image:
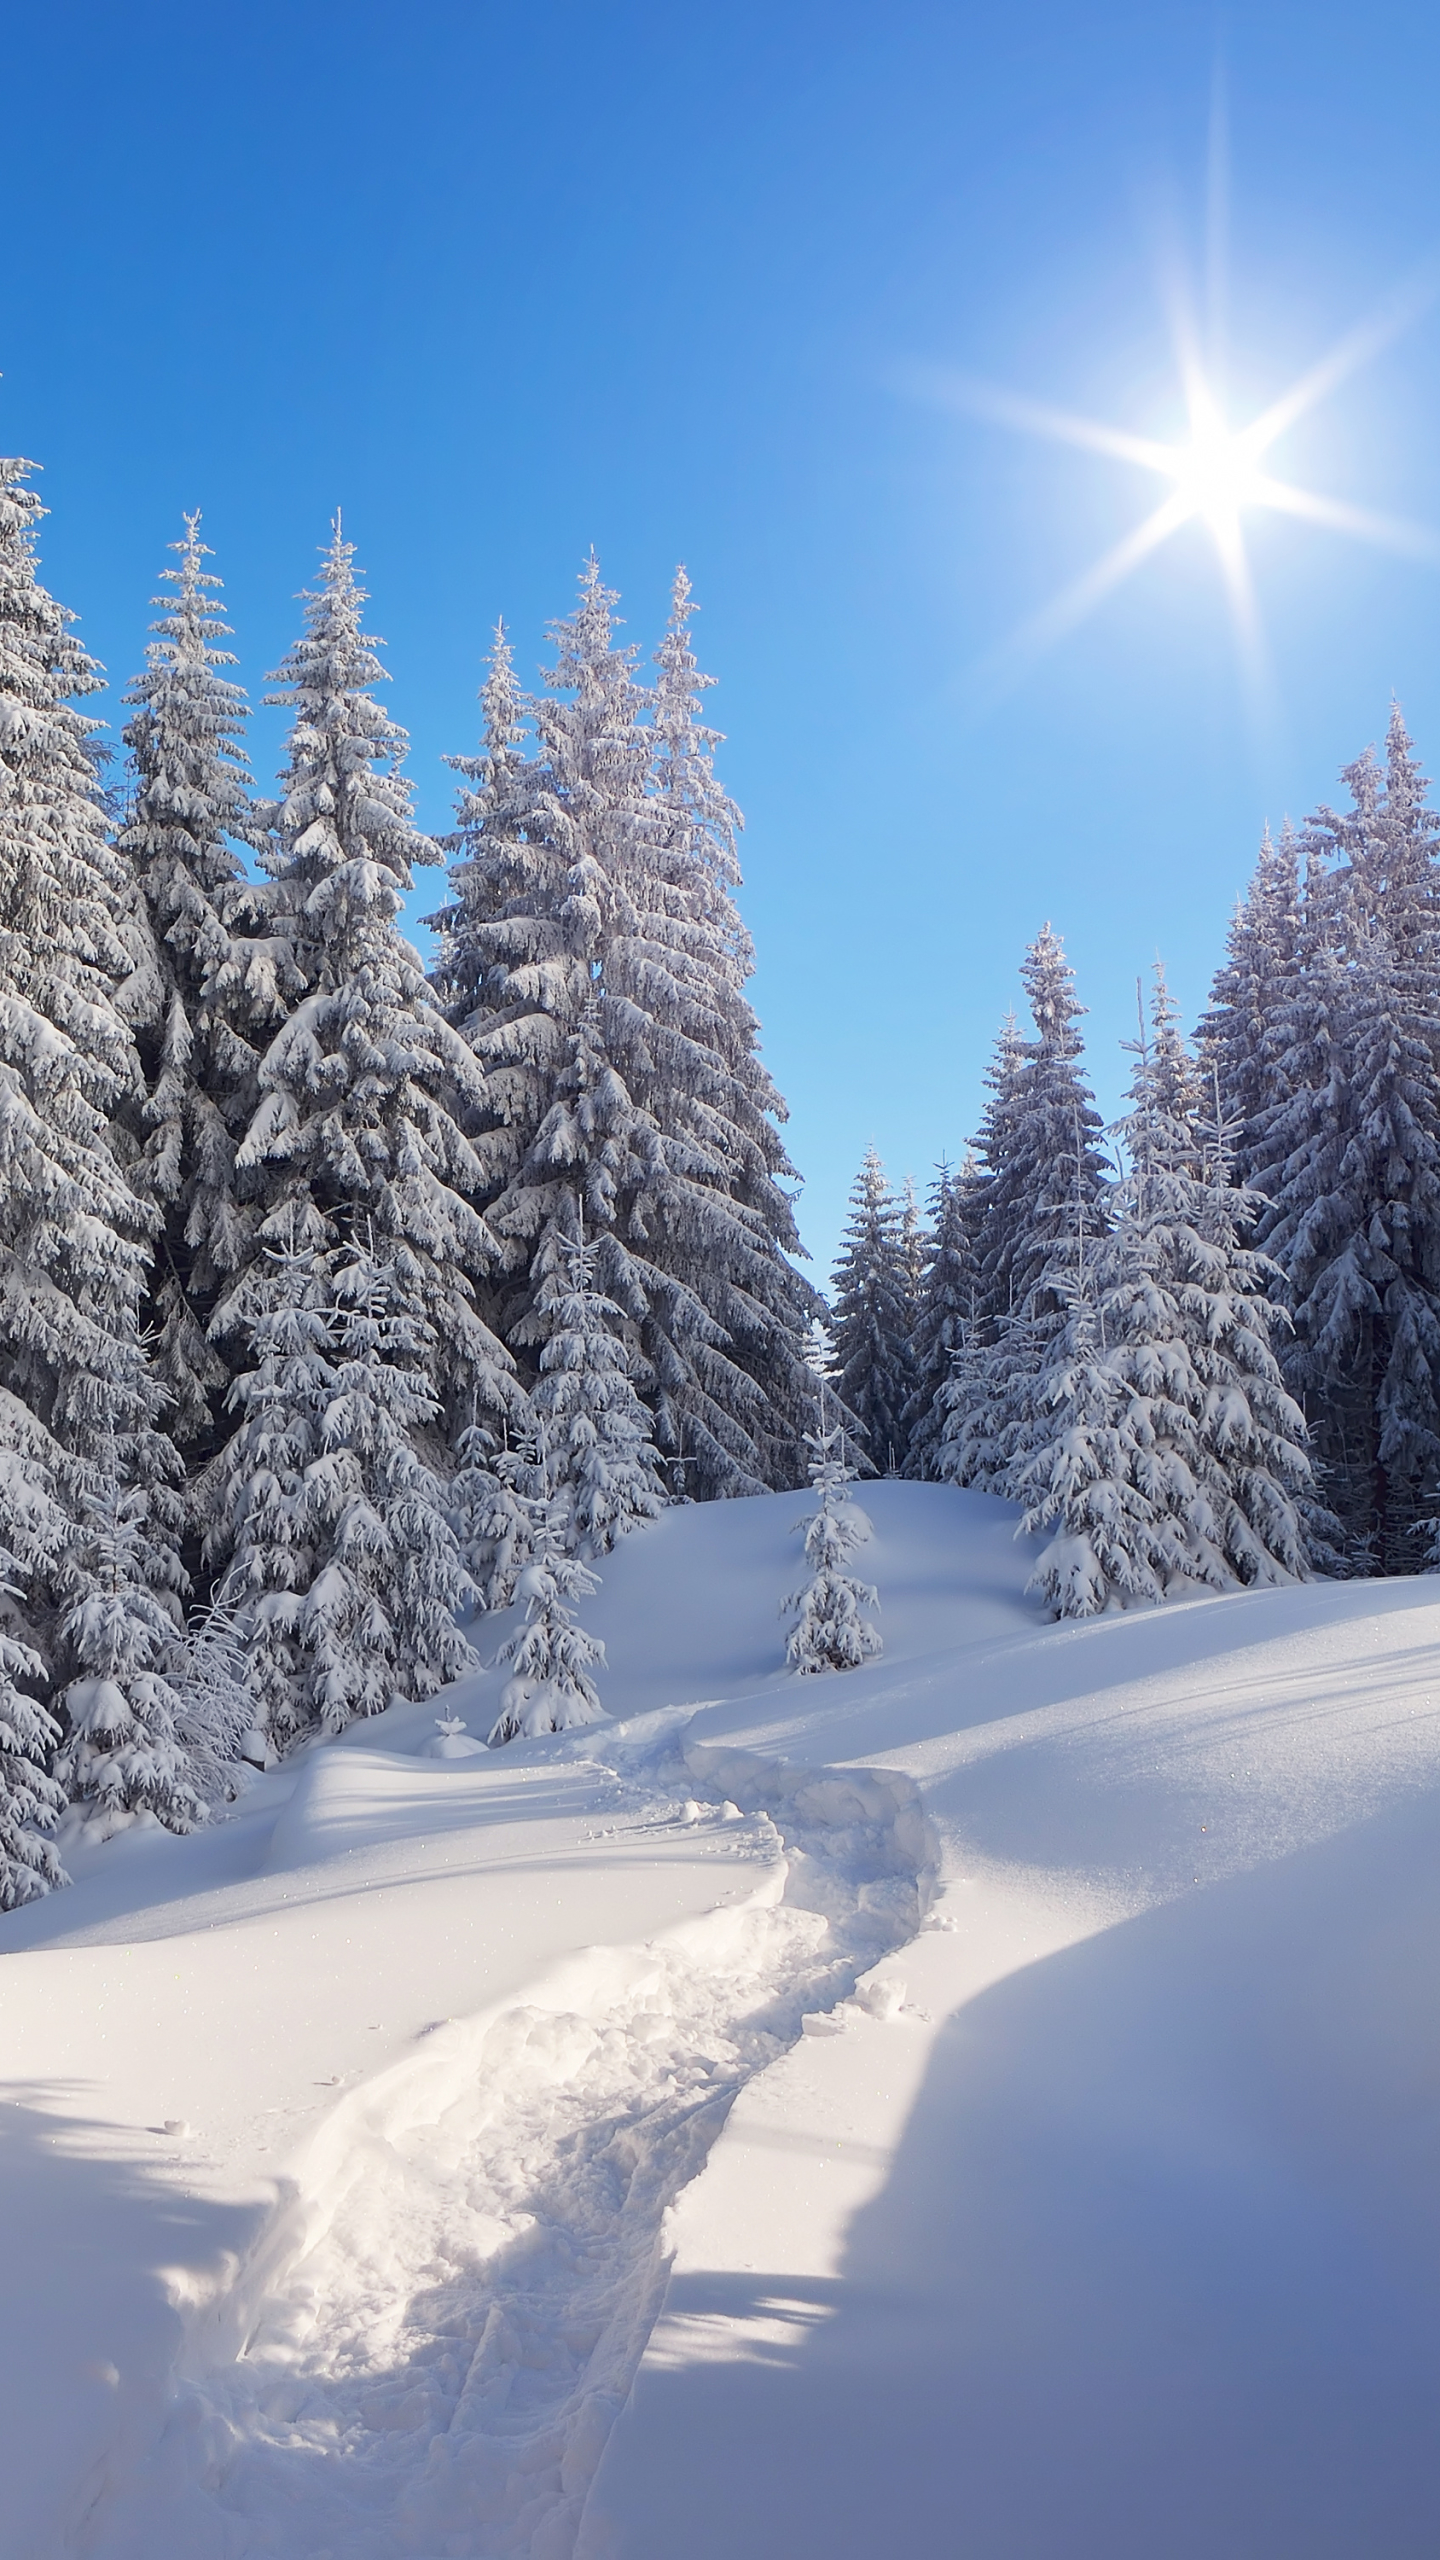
{"x":344,"y":1299}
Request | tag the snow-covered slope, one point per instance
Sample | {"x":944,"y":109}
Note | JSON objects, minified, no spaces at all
{"x":987,"y":2103}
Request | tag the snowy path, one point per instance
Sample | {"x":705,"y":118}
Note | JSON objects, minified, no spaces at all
{"x":441,"y":2329}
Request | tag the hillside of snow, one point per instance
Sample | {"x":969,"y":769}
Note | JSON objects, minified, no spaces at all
{"x":987,"y":2103}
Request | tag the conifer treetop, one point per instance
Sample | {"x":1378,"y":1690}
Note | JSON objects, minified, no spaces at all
{"x":62,"y":949}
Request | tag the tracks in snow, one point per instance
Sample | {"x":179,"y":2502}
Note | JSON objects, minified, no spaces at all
{"x":441,"y":2328}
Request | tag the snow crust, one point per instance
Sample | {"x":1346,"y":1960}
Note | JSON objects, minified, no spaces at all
{"x":984,"y":2102}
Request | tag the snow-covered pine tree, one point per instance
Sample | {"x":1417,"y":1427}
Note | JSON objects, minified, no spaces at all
{"x":723,"y":1227}
{"x":1040,"y":1204}
{"x":122,"y":1755}
{"x":264,"y":1541}
{"x":505,"y":872}
{"x":948,"y":1308}
{"x":199,"y":1003}
{"x":339,"y":1563}
{"x":1080,"y":1479}
{"x":492,"y":1505}
{"x":366,"y":1092}
{"x":1243,"y":1037}
{"x":970,"y":1449}
{"x":551,"y":1656}
{"x":393,"y":1581}
{"x":1190,"y":1316}
{"x":216,"y":1720}
{"x":831,"y":1630}
{"x":1040,"y":1200}
{"x":1163,"y":1446}
{"x":1349,"y":1157}
{"x":604,"y":1463}
{"x":593,"y":951}
{"x":72,"y":1232}
{"x":31,"y":1800}
{"x":541,"y":864}
{"x":873,"y":1318}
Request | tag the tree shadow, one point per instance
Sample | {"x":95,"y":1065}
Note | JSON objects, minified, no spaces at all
{"x":1154,"y":2271}
{"x":97,"y":2248}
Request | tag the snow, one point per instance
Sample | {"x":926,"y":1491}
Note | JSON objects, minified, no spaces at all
{"x":987,"y":2100}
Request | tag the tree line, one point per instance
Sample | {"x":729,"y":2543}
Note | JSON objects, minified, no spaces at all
{"x":1207,"y":1352}
{"x":339,"y":1298}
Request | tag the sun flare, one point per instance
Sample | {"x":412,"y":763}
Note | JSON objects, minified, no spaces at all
{"x":1216,"y":473}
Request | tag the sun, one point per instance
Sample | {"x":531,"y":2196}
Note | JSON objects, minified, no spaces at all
{"x":1216,"y":473}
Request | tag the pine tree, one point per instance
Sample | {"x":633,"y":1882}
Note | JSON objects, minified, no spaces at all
{"x":1040,"y":1205}
{"x":504,"y":873}
{"x":1042,"y":1141}
{"x":123,"y":1754}
{"x":80,"y":1400}
{"x":1349,"y":1156}
{"x":31,"y":1800}
{"x":208,"y":983}
{"x":342,"y":1568}
{"x":264,"y":1539}
{"x":215,"y":1723}
{"x":551,"y":1655}
{"x":1243,"y":1037}
{"x":593,"y":951}
{"x":948,"y":1307}
{"x":1080,"y":1479}
{"x":366,"y":1092}
{"x":492,"y":1504}
{"x":831,"y":1630}
{"x":874,"y":1318}
{"x":1193,"y":1321}
{"x":604,"y":1459}
{"x":724,"y":1224}
{"x":1164,"y":1448}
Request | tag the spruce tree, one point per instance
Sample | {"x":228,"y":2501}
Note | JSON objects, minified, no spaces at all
{"x":1191,"y":1314}
{"x":725,"y":1228}
{"x":123,"y":1752}
{"x":551,"y":1656}
{"x":31,"y":1799}
{"x":503,"y":871}
{"x":366,"y":1093}
{"x":873,"y":1318}
{"x":341,"y":1567}
{"x":1046,"y":1176}
{"x":832,"y":1631}
{"x":948,"y":1307}
{"x":604,"y":1462}
{"x":1106,"y":1542}
{"x":1040,"y":1205}
{"x":593,"y":951}
{"x":1348,"y":1155}
{"x":79,"y":1416}
{"x":1244,"y":1035}
{"x":492,"y":1504}
{"x":211,"y":982}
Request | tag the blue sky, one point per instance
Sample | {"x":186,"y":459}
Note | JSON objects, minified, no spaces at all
{"x":507,"y":282}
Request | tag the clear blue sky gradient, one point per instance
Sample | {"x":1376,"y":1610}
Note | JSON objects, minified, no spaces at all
{"x":509,"y":282}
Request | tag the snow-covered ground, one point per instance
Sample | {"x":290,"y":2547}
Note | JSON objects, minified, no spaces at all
{"x":985,"y":2104}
